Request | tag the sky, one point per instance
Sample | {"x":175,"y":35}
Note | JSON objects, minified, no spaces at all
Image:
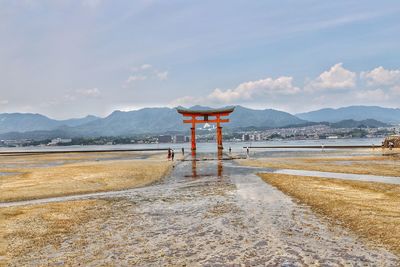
{"x":73,"y":58}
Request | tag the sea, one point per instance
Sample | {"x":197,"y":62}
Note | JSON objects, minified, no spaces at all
{"x":205,"y":147}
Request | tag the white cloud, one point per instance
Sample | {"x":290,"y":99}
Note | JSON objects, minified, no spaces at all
{"x":336,"y":86}
{"x":162,"y":75}
{"x":145,"y":72}
{"x":92,"y":92}
{"x":142,"y":68}
{"x":3,"y":102}
{"x":336,"y":77}
{"x":245,"y":91}
{"x":146,"y":66}
{"x":381,"y":77}
{"x":372,"y":95}
{"x":248,"y":90}
{"x":134,"y":78}
{"x":69,"y":97}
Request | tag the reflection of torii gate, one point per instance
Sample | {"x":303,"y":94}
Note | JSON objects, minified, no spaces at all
{"x":205,"y":118}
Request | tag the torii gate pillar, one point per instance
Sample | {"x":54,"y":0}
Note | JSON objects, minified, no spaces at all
{"x":193,"y":139}
{"x":219,"y":134}
{"x":206,"y":114}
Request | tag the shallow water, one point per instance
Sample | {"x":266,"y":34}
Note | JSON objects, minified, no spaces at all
{"x":205,"y":147}
{"x":342,"y":176}
{"x":21,"y":164}
{"x":211,"y":213}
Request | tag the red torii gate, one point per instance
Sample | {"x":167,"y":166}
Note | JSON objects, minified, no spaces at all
{"x":206,"y":114}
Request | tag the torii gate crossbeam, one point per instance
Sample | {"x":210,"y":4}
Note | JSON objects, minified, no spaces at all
{"x":203,"y":116}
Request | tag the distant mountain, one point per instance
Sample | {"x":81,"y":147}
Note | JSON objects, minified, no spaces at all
{"x":22,"y":122}
{"x":79,"y":121}
{"x":147,"y":120}
{"x":40,"y":134}
{"x":369,"y":123}
{"x":163,"y":120}
{"x":159,"y":120}
{"x":387,"y":115}
{"x":268,"y":118}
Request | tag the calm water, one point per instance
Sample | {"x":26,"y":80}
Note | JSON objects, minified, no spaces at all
{"x":209,"y":147}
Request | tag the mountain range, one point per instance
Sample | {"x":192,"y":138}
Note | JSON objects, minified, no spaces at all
{"x":162,"y":120}
{"x":387,"y":115}
{"x":23,"y":122}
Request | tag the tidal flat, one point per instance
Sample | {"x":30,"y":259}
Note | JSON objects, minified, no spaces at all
{"x":372,"y":210}
{"x":205,"y":210}
{"x":53,"y":175}
{"x":31,"y":228}
{"x":356,"y":162}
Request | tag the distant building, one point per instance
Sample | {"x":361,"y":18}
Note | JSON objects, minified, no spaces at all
{"x":15,"y":143}
{"x":164,"y":139}
{"x":57,"y":141}
{"x":179,"y":139}
{"x":245,"y":137}
{"x":332,"y":137}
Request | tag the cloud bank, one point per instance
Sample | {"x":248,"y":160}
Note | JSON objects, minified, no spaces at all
{"x":334,"y":86}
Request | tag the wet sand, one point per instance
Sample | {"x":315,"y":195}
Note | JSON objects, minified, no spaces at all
{"x":208,"y":213}
{"x":366,"y":162}
{"x":372,"y":210}
{"x":33,"y":227}
{"x":44,"y":176}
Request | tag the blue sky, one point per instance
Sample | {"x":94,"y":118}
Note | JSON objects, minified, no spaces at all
{"x":73,"y":58}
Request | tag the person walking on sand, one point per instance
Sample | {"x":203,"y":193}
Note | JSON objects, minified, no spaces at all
{"x":183,"y":151}
{"x":247,"y":152}
{"x":230,"y":150}
{"x":169,"y":153}
{"x":172,"y":155}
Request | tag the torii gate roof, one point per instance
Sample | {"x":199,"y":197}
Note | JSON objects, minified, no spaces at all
{"x":206,"y":111}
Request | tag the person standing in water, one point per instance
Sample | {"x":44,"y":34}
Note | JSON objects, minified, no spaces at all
{"x":183,"y":151}
{"x":172,"y":155}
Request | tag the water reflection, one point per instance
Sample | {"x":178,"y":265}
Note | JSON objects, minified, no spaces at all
{"x":195,"y":159}
{"x":194,"y":165}
{"x":219,"y":163}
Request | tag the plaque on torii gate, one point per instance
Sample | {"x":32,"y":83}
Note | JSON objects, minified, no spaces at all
{"x":205,"y":116}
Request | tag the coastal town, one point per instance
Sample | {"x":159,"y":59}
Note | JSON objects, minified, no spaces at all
{"x":206,"y":134}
